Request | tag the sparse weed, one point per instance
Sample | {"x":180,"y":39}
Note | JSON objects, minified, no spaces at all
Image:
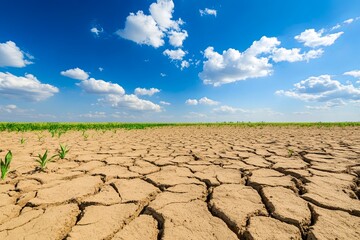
{"x":5,"y":165}
{"x":63,"y":151}
{"x":22,"y":141}
{"x":43,"y":159}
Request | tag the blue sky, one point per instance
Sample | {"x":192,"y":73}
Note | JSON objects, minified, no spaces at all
{"x":180,"y":60}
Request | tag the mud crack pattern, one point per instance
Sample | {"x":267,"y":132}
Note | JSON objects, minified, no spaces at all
{"x":185,"y":183}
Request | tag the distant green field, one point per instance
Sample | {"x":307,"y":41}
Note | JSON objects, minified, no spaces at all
{"x":109,"y":126}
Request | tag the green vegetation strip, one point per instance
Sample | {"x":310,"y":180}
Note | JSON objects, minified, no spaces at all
{"x":110,"y":126}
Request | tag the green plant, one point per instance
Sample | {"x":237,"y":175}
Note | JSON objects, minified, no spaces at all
{"x":22,"y":140}
{"x":85,"y":135}
{"x":43,"y":159}
{"x":63,"y":151}
{"x":290,"y":152}
{"x":5,"y":165}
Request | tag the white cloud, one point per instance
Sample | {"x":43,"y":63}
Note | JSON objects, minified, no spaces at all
{"x":176,"y":38}
{"x":294,"y":55}
{"x":232,"y":65}
{"x":354,"y":73}
{"x":184,"y":64}
{"x":163,"y":74}
{"x":348,"y":21}
{"x":175,"y":54}
{"x":207,"y":101}
{"x":94,"y":86}
{"x":8,"y":108}
{"x":208,"y":11}
{"x":202,"y":101}
{"x":165,"y":103}
{"x":228,"y":110}
{"x":151,"y":29}
{"x":311,"y":38}
{"x":94,"y":115}
{"x":322,"y":89}
{"x":162,"y":12}
{"x":96,"y":30}
{"x":142,"y":29}
{"x":12,"y":56}
{"x":328,"y":105}
{"x":191,"y":102}
{"x":27,"y":87}
{"x":75,"y":73}
{"x":144,"y":91}
{"x":131,"y":102}
{"x":101,"y":69}
{"x":337,"y":26}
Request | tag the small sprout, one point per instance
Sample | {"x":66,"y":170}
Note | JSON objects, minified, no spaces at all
{"x":5,"y":165}
{"x":52,"y":133}
{"x":290,"y":152}
{"x":43,"y":160}
{"x":22,"y":141}
{"x":85,"y":135}
{"x":40,"y":137}
{"x":63,"y":151}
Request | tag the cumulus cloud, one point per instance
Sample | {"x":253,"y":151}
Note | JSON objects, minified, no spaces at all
{"x":144,"y":91}
{"x":176,"y":38}
{"x":131,"y":102}
{"x":96,"y":30}
{"x":184,"y":64}
{"x":113,"y":93}
{"x":142,"y":29}
{"x":191,"y":102}
{"x":75,"y":73}
{"x":27,"y":87}
{"x":208,"y":11}
{"x":354,"y":73}
{"x":207,"y":101}
{"x":312,"y":38}
{"x":94,"y":86}
{"x":151,"y":29}
{"x":203,"y":101}
{"x":12,"y":56}
{"x":294,"y":55}
{"x":232,"y":65}
{"x":175,"y":54}
{"x":321,"y":89}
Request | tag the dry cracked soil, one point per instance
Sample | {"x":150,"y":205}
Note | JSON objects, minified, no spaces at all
{"x":185,"y":183}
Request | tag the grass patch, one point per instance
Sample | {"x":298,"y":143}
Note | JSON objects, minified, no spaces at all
{"x":60,"y":128}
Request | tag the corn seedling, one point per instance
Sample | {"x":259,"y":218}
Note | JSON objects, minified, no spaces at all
{"x":85,"y":135}
{"x":43,"y":160}
{"x":5,"y":165}
{"x":290,"y":152}
{"x":63,"y":151}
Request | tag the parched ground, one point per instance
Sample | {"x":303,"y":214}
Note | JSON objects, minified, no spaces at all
{"x":185,"y":183}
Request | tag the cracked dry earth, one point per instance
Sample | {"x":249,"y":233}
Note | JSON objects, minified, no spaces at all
{"x":185,"y":183}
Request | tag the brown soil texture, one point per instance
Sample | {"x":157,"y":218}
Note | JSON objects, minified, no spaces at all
{"x":184,"y":183}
